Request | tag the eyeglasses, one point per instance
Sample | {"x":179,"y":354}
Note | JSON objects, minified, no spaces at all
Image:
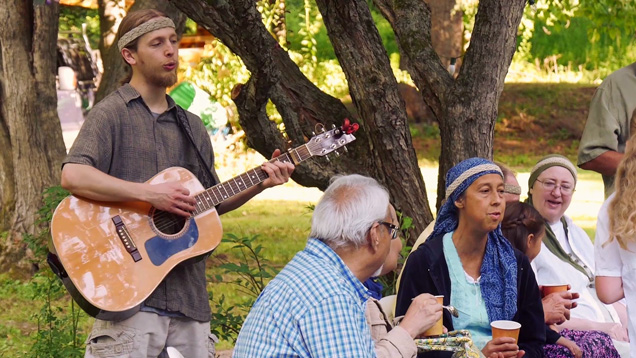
{"x":392,"y":229}
{"x":550,"y":185}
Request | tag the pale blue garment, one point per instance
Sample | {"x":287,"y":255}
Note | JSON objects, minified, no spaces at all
{"x":466,"y":297}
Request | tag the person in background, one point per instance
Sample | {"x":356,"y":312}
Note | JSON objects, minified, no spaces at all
{"x":315,"y":307}
{"x":468,"y":260}
{"x":567,"y":253}
{"x":512,"y":189}
{"x":607,"y":128}
{"x":390,"y":341}
{"x":615,"y":244}
{"x":524,"y":227}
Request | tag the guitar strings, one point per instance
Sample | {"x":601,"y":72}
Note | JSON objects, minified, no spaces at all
{"x":164,"y":220}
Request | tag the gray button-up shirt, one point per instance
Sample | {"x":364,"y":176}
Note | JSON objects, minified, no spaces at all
{"x":122,"y":138}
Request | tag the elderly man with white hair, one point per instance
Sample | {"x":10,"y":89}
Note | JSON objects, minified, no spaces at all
{"x":315,"y":306}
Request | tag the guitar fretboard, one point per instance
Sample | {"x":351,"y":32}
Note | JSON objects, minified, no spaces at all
{"x":223,"y":191}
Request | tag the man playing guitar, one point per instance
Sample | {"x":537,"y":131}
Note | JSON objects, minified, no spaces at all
{"x":127,"y":138}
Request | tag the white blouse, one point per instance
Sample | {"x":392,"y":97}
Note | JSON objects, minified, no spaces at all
{"x":549,"y":269}
{"x":613,"y":261}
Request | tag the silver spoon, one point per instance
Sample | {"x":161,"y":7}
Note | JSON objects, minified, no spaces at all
{"x":452,"y":310}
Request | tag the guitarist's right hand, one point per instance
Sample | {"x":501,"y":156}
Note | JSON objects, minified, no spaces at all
{"x":171,"y":197}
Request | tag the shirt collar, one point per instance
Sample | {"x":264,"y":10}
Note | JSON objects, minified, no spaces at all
{"x":320,"y":249}
{"x":129,"y":93}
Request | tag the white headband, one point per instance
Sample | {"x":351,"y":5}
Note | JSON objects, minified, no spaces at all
{"x":148,"y":26}
{"x":470,"y":172}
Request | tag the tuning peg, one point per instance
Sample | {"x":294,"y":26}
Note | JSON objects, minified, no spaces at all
{"x":333,"y":126}
{"x":313,"y":134}
{"x":337,"y":153}
{"x":327,"y":157}
{"x":345,"y":149}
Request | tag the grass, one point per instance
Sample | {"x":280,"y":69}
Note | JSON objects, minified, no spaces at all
{"x":282,"y":226}
{"x":281,"y":216}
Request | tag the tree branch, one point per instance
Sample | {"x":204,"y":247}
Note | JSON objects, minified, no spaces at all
{"x":411,"y":23}
{"x":374,"y":91}
{"x":301,"y":104}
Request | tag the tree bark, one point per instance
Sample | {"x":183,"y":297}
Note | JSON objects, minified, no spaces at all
{"x":111,"y":13}
{"x":30,"y":131}
{"x":275,"y":76}
{"x":466,"y":107}
{"x":389,"y":157}
{"x":446,"y":30}
{"x":374,"y":91}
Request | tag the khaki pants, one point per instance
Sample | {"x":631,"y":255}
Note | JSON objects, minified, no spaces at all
{"x":147,"y":334}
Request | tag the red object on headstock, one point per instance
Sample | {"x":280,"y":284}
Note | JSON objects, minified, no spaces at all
{"x":349,"y":127}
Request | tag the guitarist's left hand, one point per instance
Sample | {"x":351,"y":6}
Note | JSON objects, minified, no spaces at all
{"x":278,"y":172}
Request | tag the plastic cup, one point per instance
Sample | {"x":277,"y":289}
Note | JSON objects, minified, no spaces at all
{"x":549,"y":289}
{"x":505,"y":329}
{"x":438,"y":328}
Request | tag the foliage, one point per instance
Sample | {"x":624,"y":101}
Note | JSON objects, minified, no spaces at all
{"x":218,"y":72}
{"x":38,"y":244}
{"x":561,"y":40}
{"x":220,"y":69}
{"x":299,"y":9}
{"x":57,"y":331}
{"x":389,"y":280}
{"x":249,"y":277}
{"x":57,"y":335}
{"x":72,"y":18}
{"x":190,"y":27}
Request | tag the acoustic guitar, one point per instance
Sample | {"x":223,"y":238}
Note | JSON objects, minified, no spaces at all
{"x":113,"y":255}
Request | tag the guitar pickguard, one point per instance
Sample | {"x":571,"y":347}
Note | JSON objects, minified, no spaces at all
{"x":160,"y":249}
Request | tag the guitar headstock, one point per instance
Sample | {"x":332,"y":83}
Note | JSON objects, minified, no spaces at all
{"x":330,"y":141}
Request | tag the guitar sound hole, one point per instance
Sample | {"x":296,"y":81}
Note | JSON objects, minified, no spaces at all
{"x":168,"y":223}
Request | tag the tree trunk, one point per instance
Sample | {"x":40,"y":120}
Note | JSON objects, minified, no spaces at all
{"x":302,"y":105}
{"x":111,"y":13}
{"x":446,"y":30}
{"x":374,"y":91}
{"x":276,"y":77}
{"x":30,"y":131}
{"x":466,"y":107}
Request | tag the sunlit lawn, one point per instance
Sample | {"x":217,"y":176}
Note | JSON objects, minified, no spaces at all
{"x":282,"y":227}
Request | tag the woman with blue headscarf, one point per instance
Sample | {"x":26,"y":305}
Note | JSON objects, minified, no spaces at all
{"x":469,"y":261}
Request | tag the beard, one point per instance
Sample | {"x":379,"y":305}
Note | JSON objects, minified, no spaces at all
{"x":160,"y":78}
{"x":163,"y":79}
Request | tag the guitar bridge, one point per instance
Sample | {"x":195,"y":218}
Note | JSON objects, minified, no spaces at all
{"x":125,"y":238}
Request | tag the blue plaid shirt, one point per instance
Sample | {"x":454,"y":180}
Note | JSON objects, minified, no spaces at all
{"x":313,"y":308}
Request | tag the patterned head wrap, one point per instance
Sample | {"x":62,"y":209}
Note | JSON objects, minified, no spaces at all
{"x":499,"y":268}
{"x":148,"y":26}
